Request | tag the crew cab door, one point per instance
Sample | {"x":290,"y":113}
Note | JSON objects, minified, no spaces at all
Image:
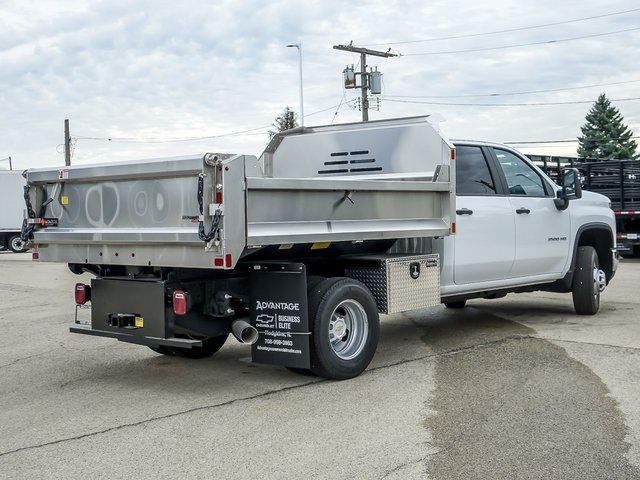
{"x":484,"y":243}
{"x":542,"y":231}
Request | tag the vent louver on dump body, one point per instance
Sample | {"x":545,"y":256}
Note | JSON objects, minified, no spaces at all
{"x":350,"y":162}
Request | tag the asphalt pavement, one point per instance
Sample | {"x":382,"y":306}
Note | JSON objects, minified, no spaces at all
{"x":519,"y":387}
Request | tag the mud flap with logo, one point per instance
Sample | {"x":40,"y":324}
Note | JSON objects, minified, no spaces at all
{"x":279,"y":311}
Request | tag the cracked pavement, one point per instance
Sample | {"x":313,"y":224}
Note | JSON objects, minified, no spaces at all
{"x":513,"y":388}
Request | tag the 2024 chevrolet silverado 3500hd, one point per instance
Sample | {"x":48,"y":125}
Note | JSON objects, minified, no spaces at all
{"x":298,"y":252}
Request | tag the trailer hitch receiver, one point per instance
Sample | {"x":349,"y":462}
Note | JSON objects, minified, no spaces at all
{"x":125,"y":320}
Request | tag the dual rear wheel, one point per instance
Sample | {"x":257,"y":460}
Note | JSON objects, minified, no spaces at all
{"x":345,"y":328}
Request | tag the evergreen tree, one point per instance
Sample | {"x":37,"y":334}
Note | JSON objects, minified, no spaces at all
{"x":286,"y":120}
{"x":604,"y":135}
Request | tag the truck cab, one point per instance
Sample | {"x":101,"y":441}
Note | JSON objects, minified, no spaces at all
{"x":515,"y":233}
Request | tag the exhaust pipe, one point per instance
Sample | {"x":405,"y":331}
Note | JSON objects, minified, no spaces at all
{"x":244,"y":332}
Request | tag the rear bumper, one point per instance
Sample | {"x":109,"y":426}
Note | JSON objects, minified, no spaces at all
{"x":137,"y":339}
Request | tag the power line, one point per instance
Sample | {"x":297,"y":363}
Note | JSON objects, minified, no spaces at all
{"x":168,"y":140}
{"x":342,"y":102}
{"x":344,"y":94}
{"x":508,"y":30}
{"x":537,"y":142}
{"x":531,"y":104}
{"x":193,"y":139}
{"x":517,"y":93}
{"x":502,"y":47}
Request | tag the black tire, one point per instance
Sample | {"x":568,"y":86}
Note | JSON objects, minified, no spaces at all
{"x":458,"y":304}
{"x":209,"y":347}
{"x":16,"y":244}
{"x":586,"y":296}
{"x":324,"y":298}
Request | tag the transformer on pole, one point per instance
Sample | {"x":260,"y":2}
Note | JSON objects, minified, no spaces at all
{"x":369,"y":80}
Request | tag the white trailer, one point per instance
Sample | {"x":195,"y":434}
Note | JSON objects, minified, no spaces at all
{"x":12,"y":186}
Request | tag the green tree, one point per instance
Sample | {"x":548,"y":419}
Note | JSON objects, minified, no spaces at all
{"x":604,"y":135}
{"x":286,"y":120}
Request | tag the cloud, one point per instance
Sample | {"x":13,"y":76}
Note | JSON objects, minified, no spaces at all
{"x":180,"y":69}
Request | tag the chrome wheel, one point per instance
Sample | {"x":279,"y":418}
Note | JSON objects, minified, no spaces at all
{"x":599,"y":281}
{"x":16,"y":244}
{"x":348,"y":329}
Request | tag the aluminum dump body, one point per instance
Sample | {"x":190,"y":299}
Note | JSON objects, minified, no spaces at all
{"x":347,"y":183}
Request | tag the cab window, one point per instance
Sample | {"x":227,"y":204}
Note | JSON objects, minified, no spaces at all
{"x":473,"y":176}
{"x":521,"y":178}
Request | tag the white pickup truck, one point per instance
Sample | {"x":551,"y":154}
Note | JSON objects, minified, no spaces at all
{"x":299,"y":251}
{"x":515,"y":235}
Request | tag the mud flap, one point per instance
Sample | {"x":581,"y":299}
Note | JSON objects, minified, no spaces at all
{"x":278,"y":296}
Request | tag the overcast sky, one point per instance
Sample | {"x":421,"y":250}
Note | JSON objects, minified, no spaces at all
{"x":161,"y":70}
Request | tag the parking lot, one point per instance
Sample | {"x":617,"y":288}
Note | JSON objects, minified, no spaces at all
{"x":519,"y":387}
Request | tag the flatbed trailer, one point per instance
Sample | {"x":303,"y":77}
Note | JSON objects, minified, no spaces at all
{"x":295,"y":252}
{"x":619,"y":180}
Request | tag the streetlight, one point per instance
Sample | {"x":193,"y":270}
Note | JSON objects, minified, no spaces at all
{"x":299,"y":47}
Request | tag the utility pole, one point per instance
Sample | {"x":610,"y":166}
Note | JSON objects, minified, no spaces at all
{"x":299,"y":47}
{"x":363,"y":90}
{"x":365,"y":83}
{"x":67,"y":143}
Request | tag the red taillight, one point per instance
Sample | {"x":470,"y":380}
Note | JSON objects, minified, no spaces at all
{"x":83,"y":293}
{"x":228,"y":260}
{"x":218,"y":197}
{"x":180,"y":302}
{"x":35,"y":256}
{"x":218,"y":262}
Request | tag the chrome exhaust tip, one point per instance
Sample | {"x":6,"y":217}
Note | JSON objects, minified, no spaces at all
{"x":244,"y":332}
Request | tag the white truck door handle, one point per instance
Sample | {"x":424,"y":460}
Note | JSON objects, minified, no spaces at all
{"x":522,"y":210}
{"x":464,"y":211}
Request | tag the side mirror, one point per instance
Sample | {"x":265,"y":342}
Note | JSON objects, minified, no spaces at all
{"x":571,"y":188}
